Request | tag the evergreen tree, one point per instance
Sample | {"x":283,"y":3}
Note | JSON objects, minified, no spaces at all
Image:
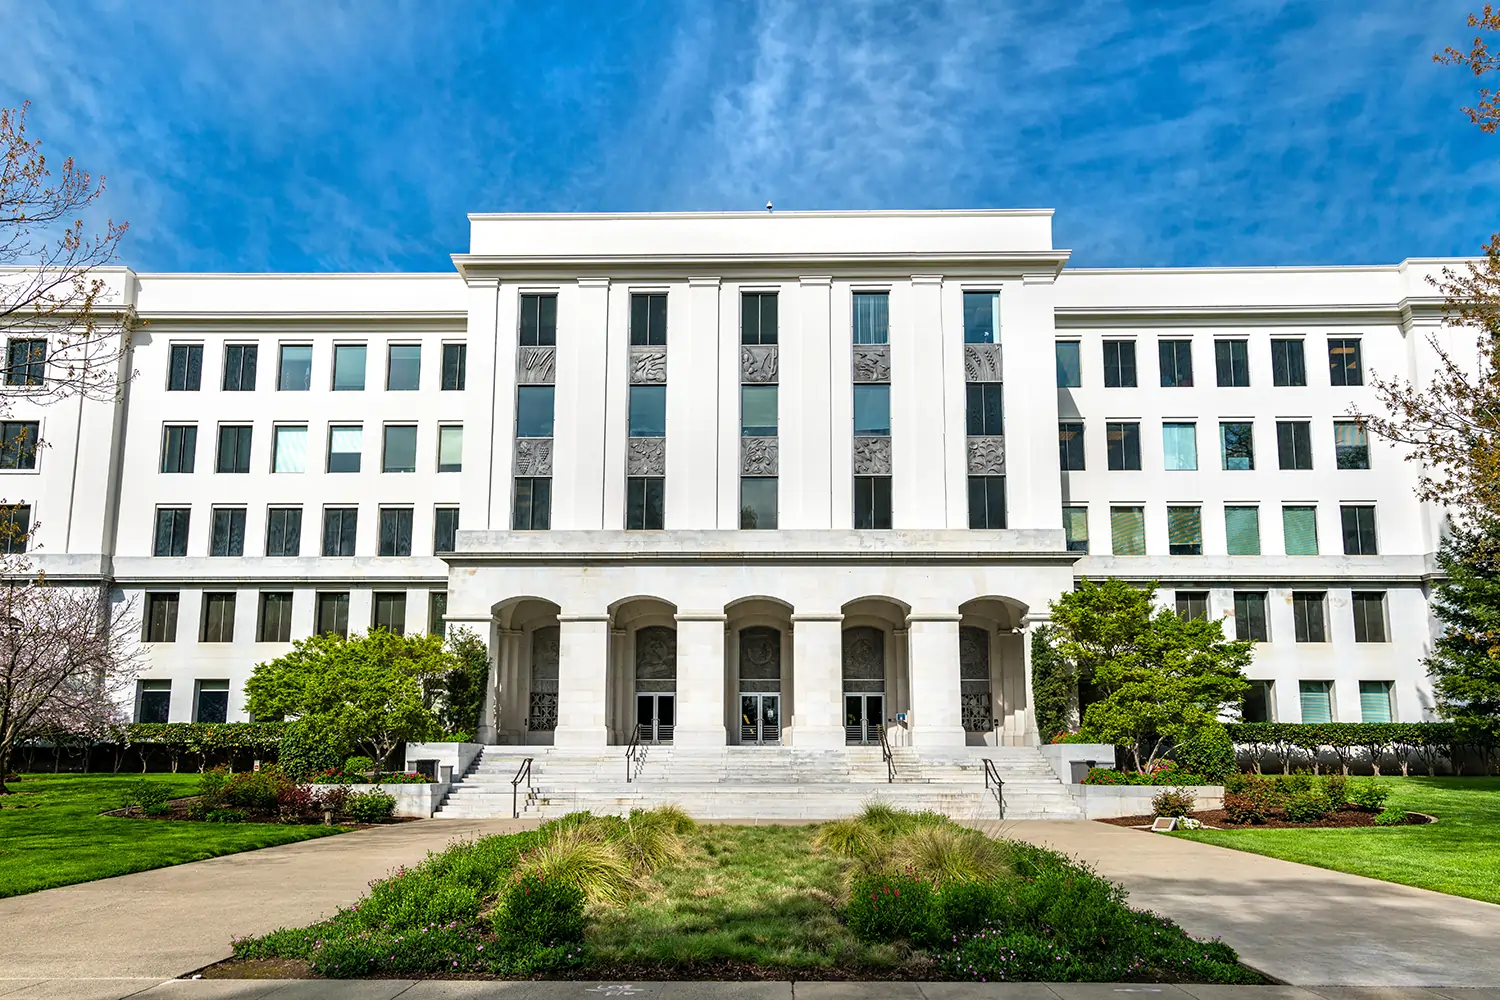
{"x":1465,"y":660}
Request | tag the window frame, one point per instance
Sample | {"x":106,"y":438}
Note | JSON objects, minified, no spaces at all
{"x":1349,"y":373}
{"x":881,"y":336}
{"x":984,"y":408}
{"x":1117,"y":514}
{"x":746,"y":512}
{"x":1070,"y":446}
{"x":984,"y":516}
{"x":444,"y":431}
{"x":872,"y":503}
{"x":644,"y":317}
{"x":217,"y":627}
{"x":170,"y":603}
{"x":1285,"y":370}
{"x":1232,"y":362}
{"x":205,"y":686}
{"x":534,"y":505}
{"x":1181,"y":359}
{"x":1365,"y":536}
{"x":753,"y":390}
{"x":1224,"y":453}
{"x":289,"y":516}
{"x":17,"y":458}
{"x":248,"y":359}
{"x":975,"y":334}
{"x":32,"y":368}
{"x":1246,"y":628}
{"x":1186,"y":514}
{"x":285,"y":601}
{"x":1119,"y":449}
{"x":180,"y":530}
{"x":393,"y":599}
{"x":453,"y":374}
{"x":231,"y":550}
{"x":640,"y":512}
{"x":340,"y":608}
{"x":1360,"y":602}
{"x":1343,"y":453}
{"x":1230,"y":534}
{"x":528,"y":409}
{"x":281,"y":366}
{"x":1116,"y":370}
{"x":543,"y":329}
{"x":277,"y":430}
{"x":192,"y":366}
{"x":1290,"y":449}
{"x":183,"y":455}
{"x":385,"y":449}
{"x":390,"y":365}
{"x":16,"y":525}
{"x":348,"y":525}
{"x":1170,"y":450}
{"x":1191,"y":605}
{"x":244,"y":449}
{"x":1304,"y":622}
{"x":396,"y":523}
{"x":1077,"y":373}
{"x":1071,"y":541}
{"x":358,"y":455}
{"x":872,"y":394}
{"x":758,"y":338}
{"x":340,"y":350}
{"x":444,"y":533}
{"x":641,"y":398}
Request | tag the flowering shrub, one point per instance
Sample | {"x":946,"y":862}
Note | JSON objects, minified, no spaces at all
{"x":1245,"y":807}
{"x":540,"y":912}
{"x":257,"y":791}
{"x":373,"y":806}
{"x":1064,"y":736}
{"x":294,"y":802}
{"x":1369,"y":794}
{"x":889,"y":907}
{"x":1173,"y":802}
{"x":1161,"y":776}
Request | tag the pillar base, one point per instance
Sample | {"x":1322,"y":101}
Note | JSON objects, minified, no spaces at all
{"x":580,"y":736}
{"x":816,"y":737}
{"x":939,"y":736}
{"x":487,"y":735}
{"x":700,"y":736}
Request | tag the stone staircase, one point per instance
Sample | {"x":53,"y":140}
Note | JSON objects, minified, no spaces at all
{"x":784,"y":783}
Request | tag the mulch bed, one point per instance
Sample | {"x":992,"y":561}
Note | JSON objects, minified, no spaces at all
{"x":1349,"y":816}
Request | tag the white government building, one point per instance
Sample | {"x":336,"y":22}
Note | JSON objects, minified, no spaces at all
{"x":749,"y":478}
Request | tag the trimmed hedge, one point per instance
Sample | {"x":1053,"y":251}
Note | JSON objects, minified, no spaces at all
{"x":1420,"y":743}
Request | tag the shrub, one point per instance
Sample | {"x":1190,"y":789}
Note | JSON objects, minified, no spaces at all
{"x":374,"y":806}
{"x":1209,"y":754}
{"x":257,"y":791}
{"x":294,"y":802}
{"x":1336,"y":791}
{"x":334,"y":799}
{"x":224,"y":816}
{"x":942,"y":855}
{"x":1305,"y":807}
{"x":1369,"y":794}
{"x":889,"y":821}
{"x":211,"y":785}
{"x":538,"y":911}
{"x":961,"y":909}
{"x":1391,"y":816}
{"x":358,"y":767}
{"x":148,"y":797}
{"x":1292,"y":784}
{"x":1173,"y":802}
{"x":307,"y":749}
{"x":889,"y":907}
{"x":1245,"y":807}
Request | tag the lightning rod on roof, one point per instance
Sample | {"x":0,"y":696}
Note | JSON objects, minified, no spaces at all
{"x":768,"y":206}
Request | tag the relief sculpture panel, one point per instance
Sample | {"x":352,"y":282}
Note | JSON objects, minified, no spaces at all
{"x":872,"y":362}
{"x":986,"y":456}
{"x":758,"y":363}
{"x":536,"y":365}
{"x":758,"y":456}
{"x":872,"y":456}
{"x":646,"y":456}
{"x":982,"y":363}
{"x":648,"y":365}
{"x":533,"y":457}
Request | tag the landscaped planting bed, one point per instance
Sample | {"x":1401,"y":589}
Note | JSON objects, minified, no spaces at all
{"x":1285,"y":801}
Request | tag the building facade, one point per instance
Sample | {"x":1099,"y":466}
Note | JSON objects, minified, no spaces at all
{"x":791,"y":478}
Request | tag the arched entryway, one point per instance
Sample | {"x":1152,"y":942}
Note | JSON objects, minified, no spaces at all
{"x":872,"y":667}
{"x":758,"y":670}
{"x":642,"y":684}
{"x":525,"y":646}
{"x":992,"y":671}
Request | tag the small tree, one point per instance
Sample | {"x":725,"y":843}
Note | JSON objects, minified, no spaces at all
{"x":460,"y":692}
{"x":1465,"y":659}
{"x":1053,"y":686}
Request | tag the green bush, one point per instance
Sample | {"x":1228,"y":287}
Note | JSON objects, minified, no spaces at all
{"x":960,"y":910}
{"x":1336,"y":791}
{"x":307,"y":750}
{"x":889,"y":907}
{"x":1169,"y":775}
{"x":540,"y":912}
{"x":1305,"y":807}
{"x":211,"y":785}
{"x":359,"y":766}
{"x":256,"y":791}
{"x":224,"y":816}
{"x":1391,"y":816}
{"x":1369,"y":794}
{"x":1173,"y":802}
{"x":1209,"y":754}
{"x":1291,"y":784}
{"x":148,"y":797}
{"x":1245,"y":807}
{"x":374,"y":806}
{"x":420,"y":896}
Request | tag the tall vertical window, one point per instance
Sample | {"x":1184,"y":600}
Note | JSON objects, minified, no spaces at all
{"x":153,"y":701}
{"x":758,"y":410}
{"x":1250,"y":616}
{"x":26,"y":361}
{"x":1308,"y":616}
{"x":648,"y":319}
{"x":455,"y":367}
{"x":534,"y":408}
{"x":161,"y":617}
{"x":1179,"y":443}
{"x":1369,"y":616}
{"x":1294,"y":444}
{"x":872,"y":317}
{"x":872,"y":410}
{"x":1176,"y":363}
{"x":1123,"y":442}
{"x":171,"y":531}
{"x":1185,"y":531}
{"x":758,"y":318}
{"x":986,"y":501}
{"x":645,"y":503}
{"x":340,"y":528}
{"x":290,"y":450}
{"x":1119,"y":364}
{"x":1070,"y":446}
{"x":18,"y":443}
{"x":532,"y":510}
{"x":1317,"y":700}
{"x":1344,"y":365}
{"x":395,"y":531}
{"x":984,"y":407}
{"x":648,"y":411}
{"x":1299,"y":527}
{"x":1192,"y":605}
{"x":981,"y":317}
{"x":345,"y":444}
{"x":275,"y":617}
{"x":389,"y":612}
{"x":1237,"y":439}
{"x":1076,"y":528}
{"x":1232,"y":362}
{"x":450,"y":448}
{"x":1257,"y":706}
{"x":437,"y":610}
{"x":218,"y":618}
{"x":538,"y":320}
{"x":400,"y":451}
{"x":295,"y":374}
{"x":234,"y":448}
{"x":1127,"y":531}
{"x":332,"y":616}
{"x":1069,"y":365}
{"x":445,"y":530}
{"x":403,"y":367}
{"x":1242,"y":530}
{"x":757,"y":502}
{"x":1287,"y":364}
{"x":1359,"y":529}
{"x":284,"y":531}
{"x":1375,"y":701}
{"x":348,"y":367}
{"x":1351,"y":444}
{"x":211,"y":702}
{"x":227,"y":537}
{"x":872,"y":501}
{"x":15,"y":528}
{"x":239,"y":367}
{"x":179,"y":447}
{"x":185,"y":368}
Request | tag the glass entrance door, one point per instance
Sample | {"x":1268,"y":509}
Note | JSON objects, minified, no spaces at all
{"x":655,"y":715}
{"x":864,"y":714}
{"x":760,"y":719}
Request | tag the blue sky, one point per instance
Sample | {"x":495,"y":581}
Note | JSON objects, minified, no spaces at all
{"x":314,"y":135}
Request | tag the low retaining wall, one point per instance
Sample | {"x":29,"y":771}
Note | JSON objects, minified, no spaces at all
{"x":1109,"y":801}
{"x":1062,"y":757}
{"x":412,"y":801}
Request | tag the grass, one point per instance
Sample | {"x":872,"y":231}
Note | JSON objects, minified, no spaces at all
{"x":51,"y":833}
{"x":1458,"y":855}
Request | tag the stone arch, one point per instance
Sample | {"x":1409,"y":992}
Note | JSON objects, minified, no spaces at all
{"x":641,"y":691}
{"x":757,"y":669}
{"x":525,"y":643}
{"x":992,"y":670}
{"x":872,"y":666}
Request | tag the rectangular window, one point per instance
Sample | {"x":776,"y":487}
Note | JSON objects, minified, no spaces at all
{"x":390,"y":612}
{"x":445,"y":530}
{"x":1258,"y":702}
{"x":1076,"y":528}
{"x":986,"y":502}
{"x":758,"y":410}
{"x":1124,"y":446}
{"x":1359,"y":529}
{"x":400,"y":451}
{"x":872,"y":501}
{"x":1179,"y":443}
{"x":648,"y":411}
{"x":1250,"y":616}
{"x":1308,"y":616}
{"x":1070,"y":446}
{"x":1299,"y":527}
{"x":981,"y":317}
{"x":161,"y":617}
{"x":1069,"y":364}
{"x":1287,"y":364}
{"x":437,"y":610}
{"x":284,"y":531}
{"x":1344,"y":364}
{"x":218,"y":618}
{"x":290,"y":449}
{"x":26,"y":362}
{"x":1242,"y":530}
{"x":1176,"y":363}
{"x":1192,"y":604}
{"x":648,"y":319}
{"x":348,"y":367}
{"x":211,"y":702}
{"x":1238,"y":443}
{"x":185,"y":368}
{"x":872,"y":410}
{"x":450,"y":448}
{"x":1119,"y":364}
{"x":275,"y":618}
{"x":1317,"y":701}
{"x":645,"y":503}
{"x":333,"y":613}
{"x":345,"y":444}
{"x":171,"y":531}
{"x":296,"y":368}
{"x":234,"y":448}
{"x":1351,"y":445}
{"x":1369,"y":616}
{"x":179,"y":447}
{"x":395,"y":531}
{"x":340,"y":526}
{"x":1232,"y":362}
{"x":403,"y":367}
{"x":757,"y":502}
{"x":18,"y":443}
{"x":1185,"y":531}
{"x":1294,"y":444}
{"x":533,"y":504}
{"x":1127,"y":531}
{"x":534,"y":404}
{"x":984,"y":407}
{"x":228,"y":535}
{"x":239,"y":367}
{"x":15,"y":528}
{"x":872,"y":317}
{"x":539,"y":321}
{"x":455,"y":367}
{"x":758,"y":318}
{"x":1375,"y":701}
{"x":153,"y":701}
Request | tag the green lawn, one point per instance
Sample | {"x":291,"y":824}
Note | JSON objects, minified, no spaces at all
{"x":1459,"y":854}
{"x":51,"y":832}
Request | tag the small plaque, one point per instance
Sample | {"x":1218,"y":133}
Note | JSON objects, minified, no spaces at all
{"x":1164,"y":824}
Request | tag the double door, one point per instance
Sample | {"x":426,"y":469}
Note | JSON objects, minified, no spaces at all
{"x":864,"y":714}
{"x":760,"y":719}
{"x":655,"y":716}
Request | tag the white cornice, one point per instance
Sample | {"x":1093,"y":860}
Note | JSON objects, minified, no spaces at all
{"x":624,"y":267}
{"x":440,"y":320}
{"x":919,"y":213}
{"x":1366,"y":314}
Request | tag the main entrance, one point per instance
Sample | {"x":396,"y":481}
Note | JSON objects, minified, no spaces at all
{"x":864,"y":685}
{"x":655,"y":715}
{"x":760,"y":686}
{"x":760,"y":719}
{"x":864,"y":714}
{"x":655,"y":684}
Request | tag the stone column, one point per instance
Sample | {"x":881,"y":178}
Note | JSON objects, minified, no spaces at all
{"x":1029,"y":735}
{"x":935,"y":688}
{"x":578,"y":455}
{"x":898,"y":693}
{"x":489,"y":712}
{"x":700,"y":680}
{"x":817,"y":676}
{"x":621,"y":687}
{"x":919,"y":401}
{"x":583,"y":656}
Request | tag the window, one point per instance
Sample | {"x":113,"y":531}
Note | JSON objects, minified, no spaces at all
{"x":234,"y":448}
{"x":15,"y":528}
{"x":1359,"y":530}
{"x":345,"y":443}
{"x":1076,"y":528}
{"x":1185,"y":531}
{"x":1127,"y":531}
{"x":400,"y":451}
{"x":1294,"y":444}
{"x":284,"y":531}
{"x":403,"y":367}
{"x":539,"y":321}
{"x":290,"y":449}
{"x":648,"y":319}
{"x":26,"y":362}
{"x":1287,"y":365}
{"x":758,"y":318}
{"x":1176,"y":363}
{"x":533,"y":504}
{"x":153,"y":701}
{"x":872,"y":410}
{"x":390,"y":612}
{"x":985,"y":408}
{"x":179,"y":447}
{"x":1258,"y":702}
{"x":986,"y":501}
{"x":645,"y":503}
{"x":648,"y":411}
{"x":171,"y":531}
{"x":333,"y":613}
{"x":757,"y":502}
{"x":239,"y":367}
{"x":1250,"y":616}
{"x":275,"y":618}
{"x":211,"y":701}
{"x":161,"y":618}
{"x":1308,"y":618}
{"x":1069,"y":365}
{"x":1375,"y":701}
{"x":1232,"y":362}
{"x":450,"y":448}
{"x":872,"y":502}
{"x":1179,"y":443}
{"x":296,"y":368}
{"x":227,"y":537}
{"x":1317,"y":700}
{"x":1124,"y":446}
{"x":445,"y":530}
{"x":1070,"y":446}
{"x":534,"y":411}
{"x":872,"y":317}
{"x":185,"y":368}
{"x":348,"y":367}
{"x":758,"y":410}
{"x":1192,"y":604}
{"x":1351,"y":445}
{"x":395,"y":531}
{"x":1119,"y":364}
{"x":437,"y":610}
{"x":1238,"y":442}
{"x":1369,"y":616}
{"x":18,"y":443}
{"x":1242,"y":530}
{"x":340,"y":525}
{"x":981,"y":317}
{"x":1299,"y":527}
{"x":218,"y":618}
{"x":1344,"y":366}
{"x":455,"y":367}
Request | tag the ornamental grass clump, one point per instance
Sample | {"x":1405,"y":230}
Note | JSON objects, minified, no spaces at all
{"x":943,"y":855}
{"x":847,"y":838}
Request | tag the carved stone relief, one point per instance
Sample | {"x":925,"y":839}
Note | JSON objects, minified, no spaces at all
{"x":982,"y":363}
{"x":542,"y":707}
{"x":986,"y":456}
{"x":760,"y":660}
{"x":973,"y":654}
{"x":758,"y":363}
{"x":758,"y":456}
{"x":864,"y":659}
{"x":646,"y":456}
{"x":656,"y":659}
{"x":648,"y":365}
{"x":872,"y":362}
{"x":536,"y":365}
{"x":872,"y":456}
{"x":533,"y":456}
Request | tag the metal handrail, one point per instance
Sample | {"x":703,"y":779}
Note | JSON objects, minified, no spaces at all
{"x":887,"y":756}
{"x":992,"y":777}
{"x":524,"y":771}
{"x":634,"y":753}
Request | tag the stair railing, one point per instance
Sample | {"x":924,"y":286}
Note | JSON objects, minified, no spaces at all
{"x":992,"y":780}
{"x":635,"y":756}
{"x":523,"y":773}
{"x":888,"y":757}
